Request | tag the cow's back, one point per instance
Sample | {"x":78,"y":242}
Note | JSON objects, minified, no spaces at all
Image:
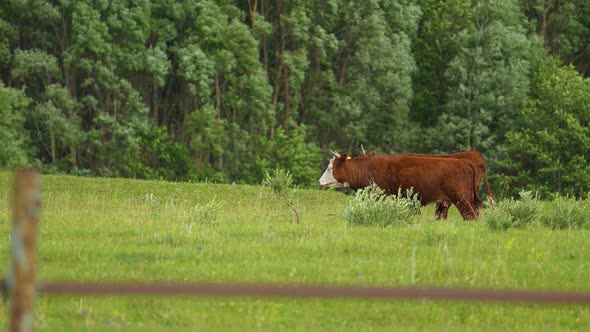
{"x":473,"y":156}
{"x":433,"y":179}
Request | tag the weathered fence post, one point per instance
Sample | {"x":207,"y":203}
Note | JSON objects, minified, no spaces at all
{"x":23,"y":241}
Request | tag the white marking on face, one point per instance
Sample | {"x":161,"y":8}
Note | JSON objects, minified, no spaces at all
{"x":328,"y":179}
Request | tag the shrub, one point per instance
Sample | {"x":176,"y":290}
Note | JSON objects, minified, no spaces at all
{"x":567,"y":213}
{"x":514,"y":213}
{"x":280,"y":182}
{"x":525,"y":210}
{"x":371,"y":207}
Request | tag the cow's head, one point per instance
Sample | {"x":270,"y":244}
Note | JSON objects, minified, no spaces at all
{"x":333,"y":171}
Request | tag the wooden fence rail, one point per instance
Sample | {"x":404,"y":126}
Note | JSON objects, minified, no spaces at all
{"x":310,"y":291}
{"x":314,"y":291}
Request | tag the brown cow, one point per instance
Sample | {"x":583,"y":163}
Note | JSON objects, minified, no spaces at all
{"x":434,"y":179}
{"x":473,"y":156}
{"x":442,"y":208}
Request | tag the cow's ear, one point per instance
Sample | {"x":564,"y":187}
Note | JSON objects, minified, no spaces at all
{"x":344,"y":157}
{"x":371,"y":154}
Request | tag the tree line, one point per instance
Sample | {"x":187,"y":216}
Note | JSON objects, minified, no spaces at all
{"x":225,"y":90}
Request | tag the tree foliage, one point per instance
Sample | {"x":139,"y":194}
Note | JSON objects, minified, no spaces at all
{"x":226,"y":90}
{"x":488,"y":79}
{"x":549,"y":151}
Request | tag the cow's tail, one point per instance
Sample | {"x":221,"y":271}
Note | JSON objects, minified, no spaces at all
{"x":485,"y":180}
{"x":488,"y":190}
{"x":476,"y":199}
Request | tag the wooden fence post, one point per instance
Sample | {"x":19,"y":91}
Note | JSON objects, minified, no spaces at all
{"x":23,"y":240}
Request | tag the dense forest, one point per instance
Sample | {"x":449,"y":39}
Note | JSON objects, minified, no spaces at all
{"x":226,"y":90}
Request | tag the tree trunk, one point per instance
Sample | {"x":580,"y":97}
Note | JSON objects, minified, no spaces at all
{"x":263,"y":40}
{"x":252,"y":12}
{"x":74,"y":156}
{"x":217,"y":97}
{"x":53,"y":145}
{"x":287,"y":100}
{"x":543,"y":28}
{"x":343,"y":72}
{"x":155,"y":101}
{"x":277,"y":85}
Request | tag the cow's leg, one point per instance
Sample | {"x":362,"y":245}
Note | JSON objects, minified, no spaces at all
{"x":438,"y":210}
{"x":468,"y":209}
{"x":442,"y":210}
{"x":445,"y":212}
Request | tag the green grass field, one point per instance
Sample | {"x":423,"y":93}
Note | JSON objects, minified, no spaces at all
{"x":128,"y":230}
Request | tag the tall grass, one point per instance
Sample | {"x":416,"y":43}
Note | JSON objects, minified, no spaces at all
{"x":567,"y":213}
{"x":562,"y":213}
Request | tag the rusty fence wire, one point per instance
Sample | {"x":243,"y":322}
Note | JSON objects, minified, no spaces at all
{"x":311,"y":291}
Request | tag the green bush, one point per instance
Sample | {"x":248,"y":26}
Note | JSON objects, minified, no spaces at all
{"x":514,"y":213}
{"x":567,"y":213}
{"x":293,"y":150}
{"x":371,"y":207}
{"x":525,"y":210}
{"x":161,"y":157}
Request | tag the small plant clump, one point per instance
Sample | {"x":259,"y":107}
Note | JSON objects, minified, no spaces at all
{"x":514,"y":213}
{"x":154,"y":203}
{"x":370,"y":206}
{"x":280,"y":182}
{"x":567,"y":213}
{"x":206,"y":213}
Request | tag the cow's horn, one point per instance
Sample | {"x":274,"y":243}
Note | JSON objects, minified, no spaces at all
{"x":363,"y":150}
{"x":336,"y":154}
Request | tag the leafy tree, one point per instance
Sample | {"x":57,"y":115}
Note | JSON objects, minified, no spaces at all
{"x":564,"y":26}
{"x":162,"y":158}
{"x":14,"y":151}
{"x":367,"y":89}
{"x":434,"y":48}
{"x":57,"y":124}
{"x":488,"y":79}
{"x":292,"y":152}
{"x":549,"y":149}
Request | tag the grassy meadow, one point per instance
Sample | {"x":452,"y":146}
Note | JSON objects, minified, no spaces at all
{"x":128,"y":230}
